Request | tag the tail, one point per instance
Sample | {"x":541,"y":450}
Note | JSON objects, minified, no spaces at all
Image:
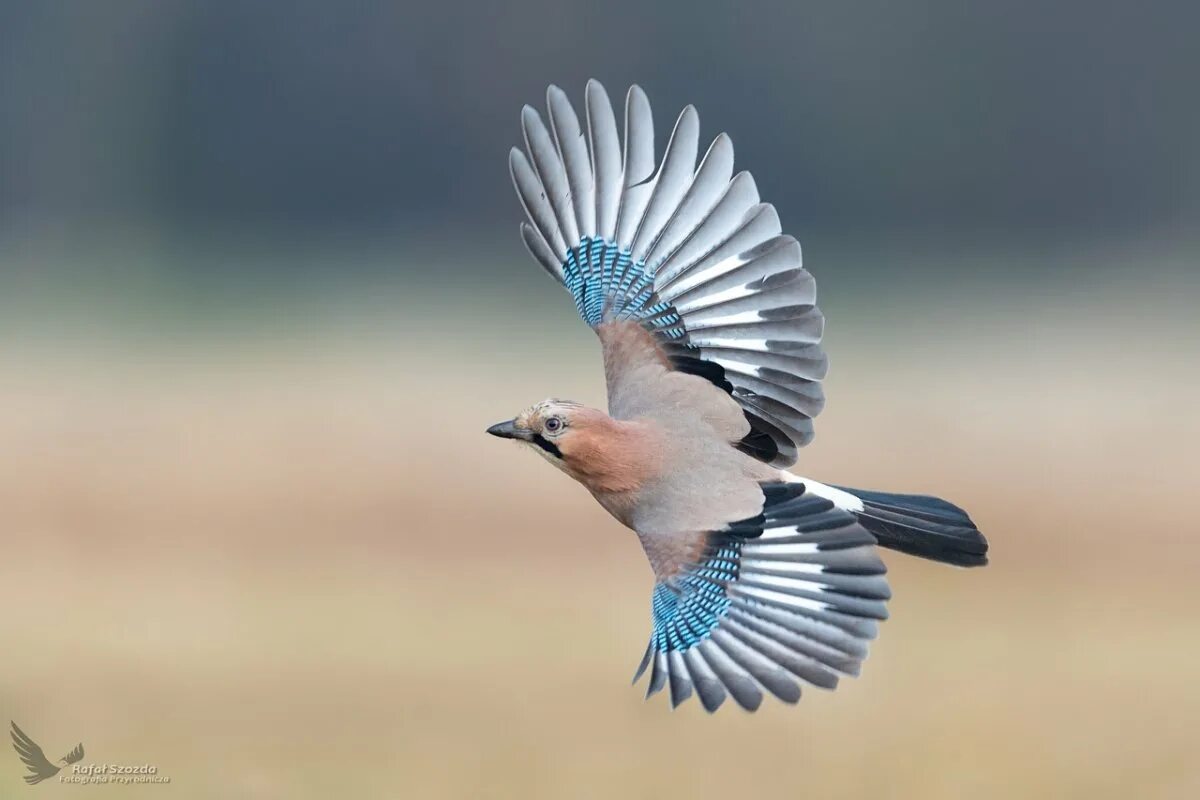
{"x":922,"y":526}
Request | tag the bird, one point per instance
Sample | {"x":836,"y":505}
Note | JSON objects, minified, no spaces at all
{"x":40,"y":767}
{"x":710,"y":337}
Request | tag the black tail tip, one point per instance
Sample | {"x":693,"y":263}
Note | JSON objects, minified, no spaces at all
{"x":926,"y":527}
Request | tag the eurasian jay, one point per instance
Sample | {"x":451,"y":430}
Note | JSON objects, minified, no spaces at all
{"x":710,"y":336}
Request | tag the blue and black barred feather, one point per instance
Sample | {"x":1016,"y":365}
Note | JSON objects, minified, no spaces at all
{"x":687,"y":610}
{"x":608,"y":285}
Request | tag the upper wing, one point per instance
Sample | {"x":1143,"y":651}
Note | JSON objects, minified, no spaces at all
{"x":687,"y":251}
{"x":793,"y":593}
{"x":31,"y":753}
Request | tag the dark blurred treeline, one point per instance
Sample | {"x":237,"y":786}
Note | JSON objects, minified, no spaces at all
{"x":315,"y":117}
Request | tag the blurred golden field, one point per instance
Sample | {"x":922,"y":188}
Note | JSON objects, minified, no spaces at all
{"x":282,"y":560}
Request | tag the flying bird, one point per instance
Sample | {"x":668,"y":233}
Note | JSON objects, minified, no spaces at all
{"x":711,"y":344}
{"x":40,"y":767}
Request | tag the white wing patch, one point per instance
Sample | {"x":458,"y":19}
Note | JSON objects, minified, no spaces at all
{"x":841,"y":499}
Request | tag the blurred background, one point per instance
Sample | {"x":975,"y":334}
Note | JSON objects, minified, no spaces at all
{"x":261,"y":292}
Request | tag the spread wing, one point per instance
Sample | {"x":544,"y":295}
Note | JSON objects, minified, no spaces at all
{"x":75,"y":756}
{"x":791,"y":595}
{"x":31,"y":754}
{"x":689,"y":252}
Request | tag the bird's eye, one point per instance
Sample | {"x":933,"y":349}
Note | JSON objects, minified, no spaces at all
{"x":553,"y":425}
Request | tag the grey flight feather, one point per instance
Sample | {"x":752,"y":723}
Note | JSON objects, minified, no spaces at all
{"x":572,"y":149}
{"x":541,"y":252}
{"x":730,"y":214}
{"x":638,"y":170}
{"x":672,"y":182}
{"x":537,"y":206}
{"x":711,"y":181}
{"x":551,"y":172}
{"x":605,"y":147}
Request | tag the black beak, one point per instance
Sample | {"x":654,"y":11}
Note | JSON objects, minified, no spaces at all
{"x":509,"y":430}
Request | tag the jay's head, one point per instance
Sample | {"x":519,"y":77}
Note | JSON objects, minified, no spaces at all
{"x":604,"y":454}
{"x":553,"y":428}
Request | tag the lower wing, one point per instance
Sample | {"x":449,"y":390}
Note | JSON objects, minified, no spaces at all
{"x":792,"y":595}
